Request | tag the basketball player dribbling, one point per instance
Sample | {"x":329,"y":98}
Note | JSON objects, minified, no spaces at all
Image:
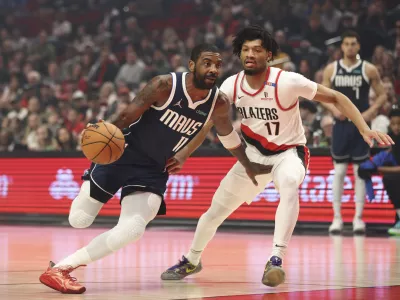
{"x":353,"y":77}
{"x":267,"y":99}
{"x":167,"y":114}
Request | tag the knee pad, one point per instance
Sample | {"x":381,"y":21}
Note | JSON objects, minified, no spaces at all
{"x":80,"y":219}
{"x":154,"y":202}
{"x":84,"y":208}
{"x":126,"y":233}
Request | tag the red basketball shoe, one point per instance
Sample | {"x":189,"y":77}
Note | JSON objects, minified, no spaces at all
{"x":60,"y":280}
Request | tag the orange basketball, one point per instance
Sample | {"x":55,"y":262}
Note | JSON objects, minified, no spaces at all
{"x":103,"y":143}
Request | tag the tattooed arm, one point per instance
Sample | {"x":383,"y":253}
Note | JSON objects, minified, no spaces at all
{"x":156,"y":92}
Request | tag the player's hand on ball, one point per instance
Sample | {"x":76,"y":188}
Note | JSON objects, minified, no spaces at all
{"x":88,"y":126}
{"x":91,"y":124}
{"x":256,"y":169}
{"x":370,"y":135}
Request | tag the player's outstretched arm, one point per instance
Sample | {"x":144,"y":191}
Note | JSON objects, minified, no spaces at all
{"x":347,"y":108}
{"x":326,"y":81}
{"x":230,"y":138}
{"x":157,"y":90}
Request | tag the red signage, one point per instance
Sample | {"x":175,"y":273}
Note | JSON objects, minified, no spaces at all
{"x":48,"y":185}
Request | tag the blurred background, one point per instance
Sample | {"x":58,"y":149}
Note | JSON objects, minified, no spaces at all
{"x":64,"y":63}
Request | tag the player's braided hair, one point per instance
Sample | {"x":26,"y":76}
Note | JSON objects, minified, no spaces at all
{"x":251,"y":33}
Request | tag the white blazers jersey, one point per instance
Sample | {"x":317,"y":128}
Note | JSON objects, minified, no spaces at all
{"x":271,"y":120}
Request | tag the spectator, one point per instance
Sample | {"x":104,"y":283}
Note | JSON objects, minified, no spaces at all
{"x":146,"y":50}
{"x":289,"y":66}
{"x":131,"y":72}
{"x":42,"y":52}
{"x":79,"y":102}
{"x":330,"y":18}
{"x":280,"y":37}
{"x":73,"y":122}
{"x":315,"y":33}
{"x":18,"y":42}
{"x":34,"y":105}
{"x":62,"y":28}
{"x":326,"y":134}
{"x":7,"y":142}
{"x":16,"y":127}
{"x":29,"y":138}
{"x":133,"y":31}
{"x":308,"y":113}
{"x":347,"y":23}
{"x":53,"y":74}
{"x":65,"y":140}
{"x":305,"y":69}
{"x":70,"y":60}
{"x":10,"y":93}
{"x":177,"y":64}
{"x":43,"y":140}
{"x":105,"y":69}
{"x":83,"y":39}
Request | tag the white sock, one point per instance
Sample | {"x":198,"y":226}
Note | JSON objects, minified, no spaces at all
{"x":337,"y":188}
{"x":360,"y":192}
{"x":194,"y":256}
{"x":279,"y":251}
{"x":80,"y":257}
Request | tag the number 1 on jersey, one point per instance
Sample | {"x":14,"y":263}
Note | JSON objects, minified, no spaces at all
{"x":357,"y":89}
{"x":180,"y":144}
{"x":268,"y":124}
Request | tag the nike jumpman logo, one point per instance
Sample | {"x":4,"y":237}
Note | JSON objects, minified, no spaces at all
{"x":178,"y":103}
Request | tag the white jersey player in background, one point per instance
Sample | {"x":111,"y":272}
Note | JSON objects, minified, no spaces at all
{"x":267,"y":99}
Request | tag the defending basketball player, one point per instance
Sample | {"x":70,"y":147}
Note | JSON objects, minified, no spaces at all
{"x":352,"y":77}
{"x":267,"y":99}
{"x":167,"y":114}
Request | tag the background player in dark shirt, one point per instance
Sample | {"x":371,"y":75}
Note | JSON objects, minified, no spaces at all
{"x":352,"y":77}
{"x":169,"y":112}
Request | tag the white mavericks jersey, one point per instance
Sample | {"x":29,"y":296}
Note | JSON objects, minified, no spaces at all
{"x":271,"y":119}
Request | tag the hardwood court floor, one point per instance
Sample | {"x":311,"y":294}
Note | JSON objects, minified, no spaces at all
{"x":317,"y":267}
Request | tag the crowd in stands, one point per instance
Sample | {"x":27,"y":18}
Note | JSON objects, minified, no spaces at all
{"x":54,"y":82}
